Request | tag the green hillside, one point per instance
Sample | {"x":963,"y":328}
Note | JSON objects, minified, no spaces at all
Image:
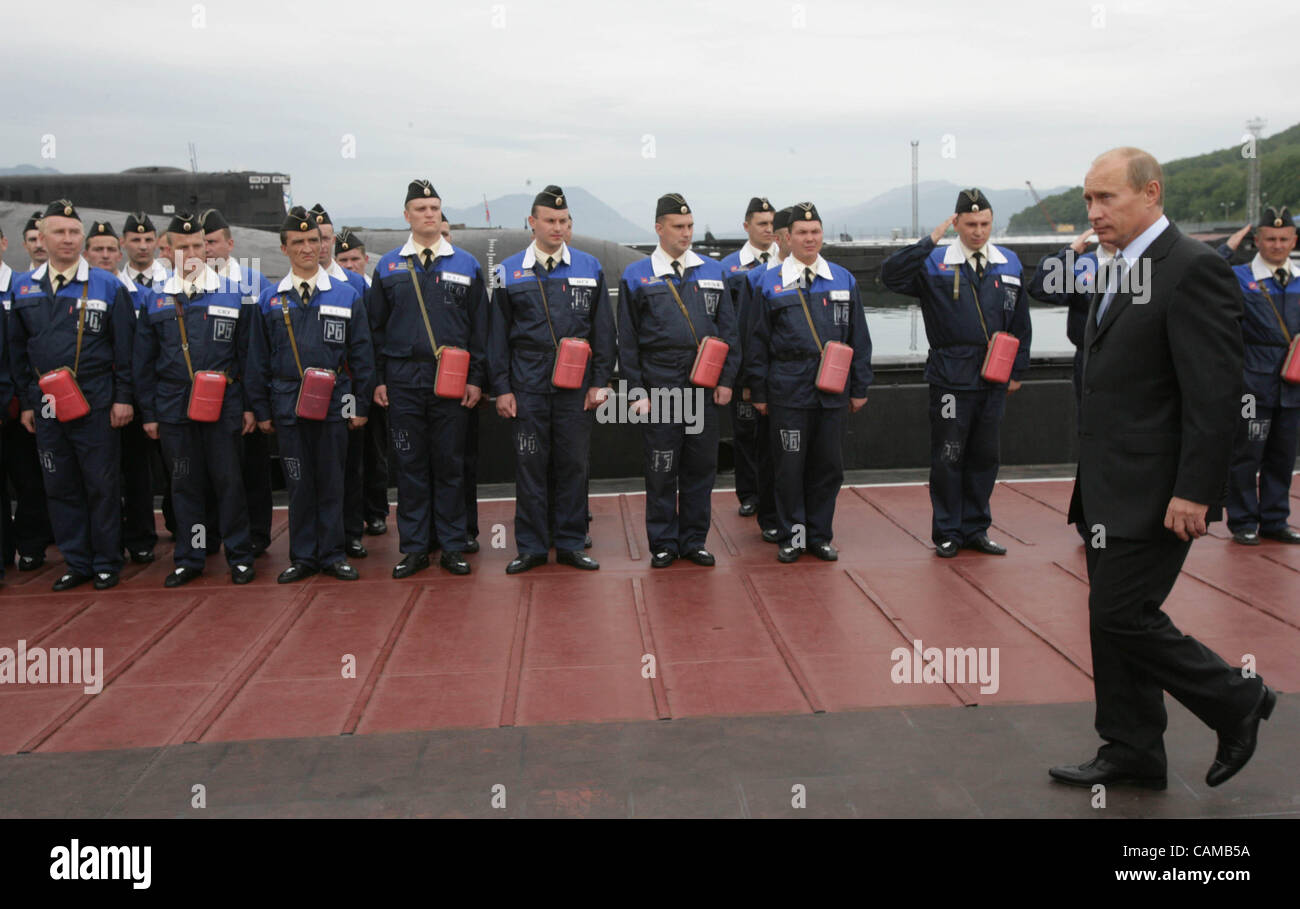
{"x":1195,"y":187}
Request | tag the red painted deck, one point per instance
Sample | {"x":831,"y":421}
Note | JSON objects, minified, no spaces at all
{"x":213,"y":662}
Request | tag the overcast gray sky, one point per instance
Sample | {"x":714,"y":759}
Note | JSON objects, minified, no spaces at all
{"x":815,"y":100}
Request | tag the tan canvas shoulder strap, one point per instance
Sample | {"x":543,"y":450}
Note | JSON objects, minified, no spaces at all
{"x":1281,"y":323}
{"x":81,"y":324}
{"x":424,"y":312}
{"x":547,"y":308}
{"x":682,"y":307}
{"x":807,"y":315}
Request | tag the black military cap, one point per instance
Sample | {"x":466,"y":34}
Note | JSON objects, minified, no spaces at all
{"x":671,"y":204}
{"x":33,"y":222}
{"x":345,"y":240}
{"x":61,"y":207}
{"x":804,"y":211}
{"x":782,"y":219}
{"x":551,"y":197}
{"x":1276,"y":217}
{"x":298,"y":221}
{"x":757,"y":204}
{"x":972,"y":199}
{"x":212,"y":220}
{"x":319,"y":214}
{"x":101,"y":229}
{"x":421,"y":189}
{"x":137,"y":222}
{"x":444,"y":218}
{"x":184,"y":223}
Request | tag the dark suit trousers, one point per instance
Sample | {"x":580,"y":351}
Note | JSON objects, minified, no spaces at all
{"x":1137,"y":652}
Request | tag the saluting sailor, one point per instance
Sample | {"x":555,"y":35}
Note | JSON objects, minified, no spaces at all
{"x":310,"y":322}
{"x":196,"y":323}
{"x":67,"y":315}
{"x":542,"y":296}
{"x":427,"y":295}
{"x":797,"y":310}
{"x":968,"y":291}
{"x":668,"y":304}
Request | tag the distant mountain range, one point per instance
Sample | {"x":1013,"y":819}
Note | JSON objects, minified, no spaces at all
{"x":26,"y":170}
{"x":935,"y":202}
{"x":591,"y":216}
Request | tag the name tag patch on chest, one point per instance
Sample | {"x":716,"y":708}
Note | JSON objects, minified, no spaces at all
{"x":455,"y":278}
{"x":839,"y":294}
{"x":341,"y":312}
{"x":95,"y":305}
{"x":582,"y":282}
{"x":223,"y":312}
{"x":335,"y":331}
{"x":710,"y":284}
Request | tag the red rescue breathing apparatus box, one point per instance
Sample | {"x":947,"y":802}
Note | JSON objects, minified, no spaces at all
{"x":1000,"y":357}
{"x":571,"y":361}
{"x":709,"y":360}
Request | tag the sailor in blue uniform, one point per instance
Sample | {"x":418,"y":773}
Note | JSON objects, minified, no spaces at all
{"x":471,"y":450}
{"x":1270,"y":421}
{"x":782,"y":357}
{"x":67,"y":314}
{"x":32,"y":242}
{"x":350,"y":255}
{"x":968,"y":291}
{"x":139,"y":243}
{"x":668,"y":303}
{"x":759,"y":249}
{"x":542,"y":295}
{"x":6,"y":390}
{"x":24,"y":521}
{"x":255,"y":453}
{"x":103,"y":248}
{"x":196,"y":322}
{"x":429,"y":278}
{"x":311,"y":320}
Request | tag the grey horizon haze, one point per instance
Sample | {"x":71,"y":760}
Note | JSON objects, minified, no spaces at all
{"x":717,"y":101}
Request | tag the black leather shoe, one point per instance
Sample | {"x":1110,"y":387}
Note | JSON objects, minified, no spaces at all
{"x":700,"y":556}
{"x":30,"y":563}
{"x":1100,"y":770}
{"x":376,"y":527}
{"x":356,"y":550}
{"x":748,"y":509}
{"x":982,"y":543}
{"x":341,"y":570}
{"x":771,"y":535}
{"x":106,"y":579}
{"x":70,"y":580}
{"x":521,"y":563}
{"x":471,"y":545}
{"x":242,"y":574}
{"x":1285,"y":535}
{"x":576,"y":559}
{"x":141,"y":556}
{"x":788,"y":554}
{"x":824,"y":551}
{"x":1237,"y":746}
{"x":453,"y":562}
{"x":295,"y":572}
{"x":1245,"y":537}
{"x":181,"y":576}
{"x":586,"y":543}
{"x":410,"y":564}
{"x":663,"y":559}
{"x":947,"y":549}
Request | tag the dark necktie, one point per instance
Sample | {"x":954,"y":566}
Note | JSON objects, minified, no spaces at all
{"x":1281,"y":276}
{"x":191,"y":291}
{"x":58,"y":283}
{"x":807,"y":277}
{"x":979,"y":266}
{"x":144,"y":280}
{"x":763,"y":258}
{"x":677,"y":269}
{"x":550,"y":264}
{"x":428,"y":259}
{"x":305,"y":290}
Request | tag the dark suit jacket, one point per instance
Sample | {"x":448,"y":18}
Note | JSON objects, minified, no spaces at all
{"x":1161,"y":393}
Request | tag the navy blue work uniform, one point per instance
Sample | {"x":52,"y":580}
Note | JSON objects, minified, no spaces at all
{"x":24,"y":519}
{"x":656,"y":349}
{"x":354,"y":479}
{"x":199,"y":455}
{"x":428,"y":432}
{"x":764,"y":469}
{"x":746,"y":442}
{"x":1066,"y":279}
{"x":255,"y":448}
{"x":332,"y":332}
{"x":139,"y":530}
{"x":782,"y":356}
{"x":81,"y":458}
{"x":6,"y":394}
{"x":965,"y":410}
{"x":551,"y":429}
{"x":1266,"y":442}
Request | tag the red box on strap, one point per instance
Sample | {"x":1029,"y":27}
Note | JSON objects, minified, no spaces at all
{"x":833,"y":371}
{"x":315,"y":394}
{"x":1291,"y":366}
{"x":709,"y":360}
{"x":207,"y":394}
{"x":571,"y":361}
{"x":1000,"y":358}
{"x":69,"y":402}
{"x":453,"y":373}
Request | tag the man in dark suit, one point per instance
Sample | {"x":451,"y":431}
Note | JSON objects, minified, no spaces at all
{"x":1161,"y":388}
